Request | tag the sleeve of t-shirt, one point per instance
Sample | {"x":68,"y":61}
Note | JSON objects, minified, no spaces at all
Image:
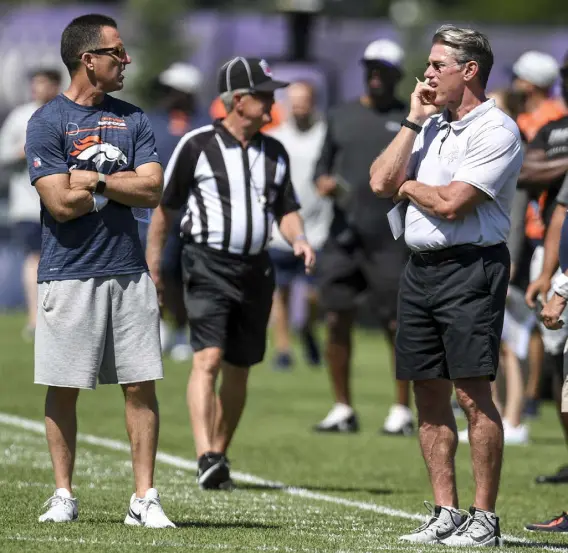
{"x":44,"y":149}
{"x":286,"y":200}
{"x":562,"y":197}
{"x":145,"y":145}
{"x":491,"y":155}
{"x":179,"y":176}
{"x":324,"y":165}
{"x":540,"y":141}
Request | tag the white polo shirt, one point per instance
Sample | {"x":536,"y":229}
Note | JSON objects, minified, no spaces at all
{"x":483,"y":149}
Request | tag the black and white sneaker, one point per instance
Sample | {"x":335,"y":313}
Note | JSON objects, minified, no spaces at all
{"x":341,"y":418}
{"x":481,"y":528}
{"x":443,"y":522}
{"x":213,"y":472}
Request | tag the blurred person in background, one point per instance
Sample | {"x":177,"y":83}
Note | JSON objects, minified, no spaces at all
{"x":178,"y":113}
{"x":361,"y":255}
{"x":534,"y":76}
{"x":23,"y":200}
{"x":546,"y":167}
{"x":302,"y":134}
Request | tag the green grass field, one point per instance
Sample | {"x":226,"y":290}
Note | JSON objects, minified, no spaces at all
{"x":340,"y":493}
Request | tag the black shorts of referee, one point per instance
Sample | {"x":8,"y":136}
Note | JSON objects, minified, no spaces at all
{"x":228,"y":299}
{"x":451,"y":306}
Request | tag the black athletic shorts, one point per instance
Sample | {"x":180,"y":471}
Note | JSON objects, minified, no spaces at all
{"x":343,"y":273}
{"x":451,"y":306}
{"x":228,"y":300}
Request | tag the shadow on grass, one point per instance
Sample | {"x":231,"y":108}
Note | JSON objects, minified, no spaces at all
{"x":340,"y":489}
{"x":535,"y":545}
{"x":243,"y":525}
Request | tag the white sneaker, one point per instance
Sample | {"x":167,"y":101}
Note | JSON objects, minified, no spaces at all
{"x":341,"y":418}
{"x":512,"y":435}
{"x":515,"y":435}
{"x":399,"y":421}
{"x":147,"y":512}
{"x":61,"y":507}
{"x":480,"y":528}
{"x":443,"y":522}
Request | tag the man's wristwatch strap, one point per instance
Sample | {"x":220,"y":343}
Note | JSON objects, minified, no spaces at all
{"x":410,"y":125}
{"x":101,"y":185}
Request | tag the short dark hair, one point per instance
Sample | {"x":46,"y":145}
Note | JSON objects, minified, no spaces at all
{"x":51,"y":74}
{"x":468,"y":45}
{"x":81,"y":35}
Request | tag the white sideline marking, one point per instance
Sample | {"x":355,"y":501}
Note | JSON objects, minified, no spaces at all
{"x":181,"y":463}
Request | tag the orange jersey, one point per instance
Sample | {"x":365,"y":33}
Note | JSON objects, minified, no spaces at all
{"x":530,"y":124}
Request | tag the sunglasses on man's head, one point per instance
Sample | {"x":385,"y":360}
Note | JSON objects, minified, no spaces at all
{"x":116,"y":52}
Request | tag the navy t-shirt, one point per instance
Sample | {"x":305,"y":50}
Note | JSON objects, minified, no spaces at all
{"x":110,"y":137}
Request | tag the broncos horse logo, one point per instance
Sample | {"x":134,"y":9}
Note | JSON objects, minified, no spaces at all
{"x":94,"y":149}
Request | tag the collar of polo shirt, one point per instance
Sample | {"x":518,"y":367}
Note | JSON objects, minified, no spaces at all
{"x":442,"y":118}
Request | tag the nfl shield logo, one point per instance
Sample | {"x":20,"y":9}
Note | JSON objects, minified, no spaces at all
{"x":37,"y":162}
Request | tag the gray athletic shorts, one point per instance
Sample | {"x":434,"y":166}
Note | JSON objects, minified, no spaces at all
{"x":105,"y":327}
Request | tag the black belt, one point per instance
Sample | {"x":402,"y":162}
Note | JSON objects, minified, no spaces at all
{"x":453,"y":252}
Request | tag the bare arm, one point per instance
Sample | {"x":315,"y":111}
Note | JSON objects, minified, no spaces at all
{"x":450,"y":202}
{"x":552,"y":242}
{"x":63,"y":202}
{"x":160,"y":225}
{"x":291,"y":226}
{"x":141,"y":188}
{"x":389,"y":170}
{"x":538,"y":171}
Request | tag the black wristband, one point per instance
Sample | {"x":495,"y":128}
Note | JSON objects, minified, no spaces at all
{"x":410,"y":125}
{"x":101,"y":185}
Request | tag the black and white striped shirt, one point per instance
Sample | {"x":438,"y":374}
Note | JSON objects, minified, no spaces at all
{"x":231,"y":194}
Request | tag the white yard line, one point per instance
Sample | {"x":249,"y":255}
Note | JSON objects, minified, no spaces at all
{"x":181,"y":463}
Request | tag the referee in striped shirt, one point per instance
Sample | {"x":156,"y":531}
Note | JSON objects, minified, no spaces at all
{"x":233,"y":182}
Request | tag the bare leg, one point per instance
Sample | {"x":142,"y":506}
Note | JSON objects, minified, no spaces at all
{"x":230,"y":404}
{"x":485,"y":438}
{"x":536,"y":354}
{"x":61,"y":432}
{"x":142,"y":425}
{"x":438,"y":437}
{"x":30,"y":286}
{"x":201,"y":399}
{"x":514,"y":385}
{"x":338,"y":353}
{"x":280,"y":317}
{"x":402,"y":387}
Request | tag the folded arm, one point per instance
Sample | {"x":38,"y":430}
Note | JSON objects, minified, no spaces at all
{"x":63,"y":202}
{"x":450,"y":202}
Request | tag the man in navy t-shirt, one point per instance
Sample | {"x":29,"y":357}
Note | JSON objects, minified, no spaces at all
{"x":93,"y":161}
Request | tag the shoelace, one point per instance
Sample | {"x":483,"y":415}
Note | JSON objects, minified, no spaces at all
{"x":149,"y":503}
{"x":433,"y":518}
{"x":56,"y":499}
{"x":470,"y":519}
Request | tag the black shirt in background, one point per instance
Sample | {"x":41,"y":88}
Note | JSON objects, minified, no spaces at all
{"x":356,"y":135}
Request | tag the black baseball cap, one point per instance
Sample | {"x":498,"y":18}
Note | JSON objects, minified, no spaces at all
{"x":247,"y":73}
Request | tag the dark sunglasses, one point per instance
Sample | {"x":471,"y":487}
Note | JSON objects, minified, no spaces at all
{"x":116,"y":52}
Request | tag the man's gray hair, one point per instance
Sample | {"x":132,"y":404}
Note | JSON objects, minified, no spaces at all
{"x":468,"y":45}
{"x":227,"y":97}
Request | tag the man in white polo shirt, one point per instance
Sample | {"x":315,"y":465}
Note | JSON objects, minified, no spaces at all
{"x":457,"y":170}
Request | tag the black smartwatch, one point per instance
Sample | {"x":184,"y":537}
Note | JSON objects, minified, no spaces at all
{"x":101,"y":185}
{"x":410,"y":125}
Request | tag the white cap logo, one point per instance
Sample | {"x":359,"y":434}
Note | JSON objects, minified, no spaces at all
{"x":265,"y":68}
